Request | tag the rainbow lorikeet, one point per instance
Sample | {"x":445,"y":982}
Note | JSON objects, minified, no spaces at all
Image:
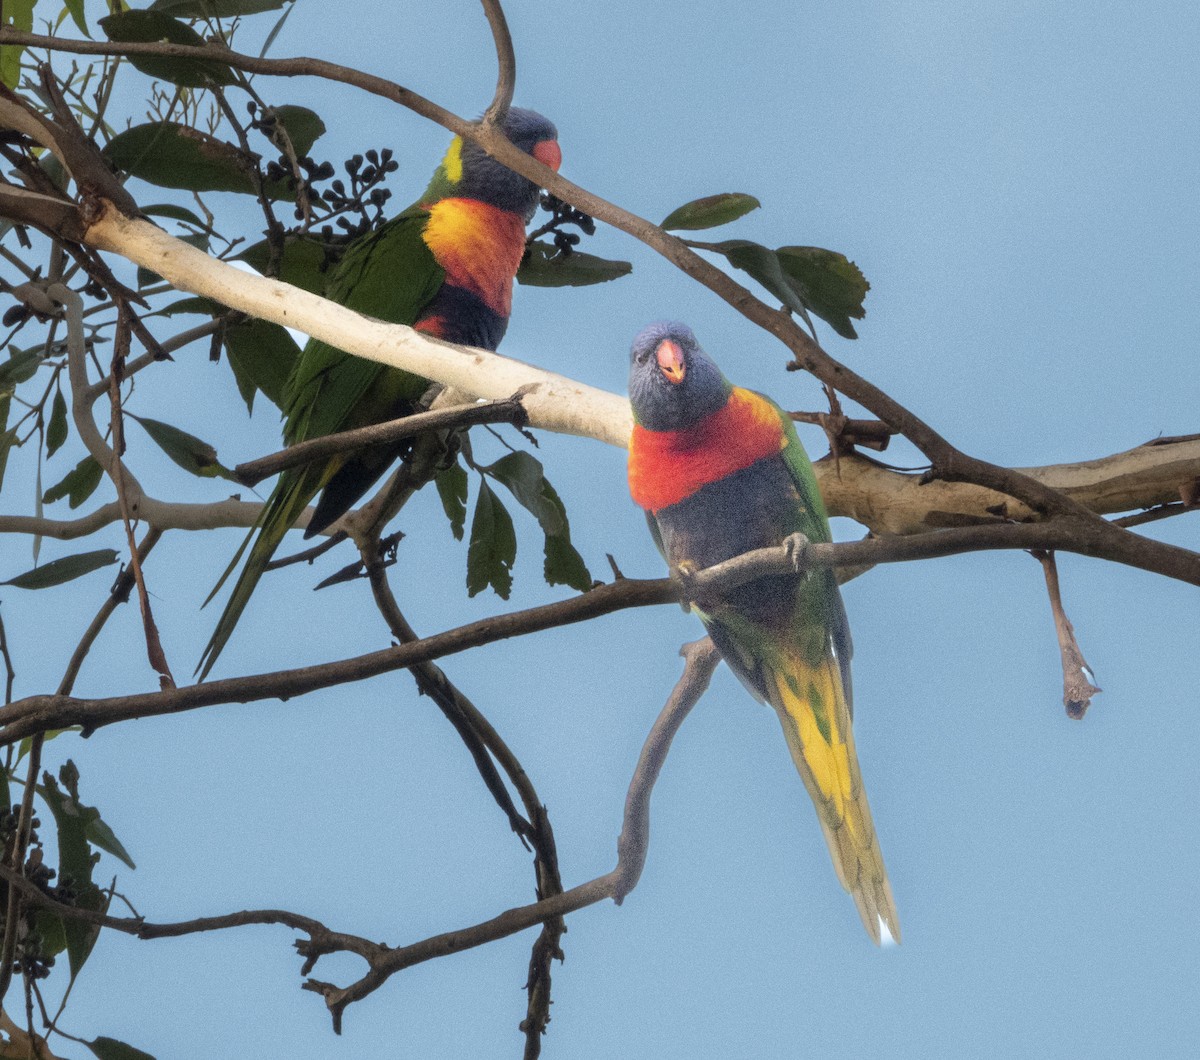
{"x":719,"y":471}
{"x":446,"y":266}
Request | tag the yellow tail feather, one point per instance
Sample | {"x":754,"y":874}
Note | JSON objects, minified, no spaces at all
{"x":812,"y":708}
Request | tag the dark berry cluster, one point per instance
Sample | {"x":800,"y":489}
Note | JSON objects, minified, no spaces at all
{"x":563,"y":213}
{"x":30,"y":956}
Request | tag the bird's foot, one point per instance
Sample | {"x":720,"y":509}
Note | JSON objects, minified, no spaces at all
{"x":684,"y":575}
{"x":796,"y":547}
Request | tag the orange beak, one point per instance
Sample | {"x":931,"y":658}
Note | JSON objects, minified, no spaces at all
{"x":670,"y":361}
{"x":548,"y":153}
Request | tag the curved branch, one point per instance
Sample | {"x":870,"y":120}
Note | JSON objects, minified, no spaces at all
{"x":506,"y":59}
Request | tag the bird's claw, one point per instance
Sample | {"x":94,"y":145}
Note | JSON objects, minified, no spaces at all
{"x":796,"y":547}
{"x":684,"y":575}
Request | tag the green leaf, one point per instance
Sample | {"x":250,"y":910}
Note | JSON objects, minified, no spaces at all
{"x":100,"y":835}
{"x":7,"y":437}
{"x":711,"y":211}
{"x":75,"y":7}
{"x":47,"y":736}
{"x":56,"y":430}
{"x":171,"y":155}
{"x":262,"y":356}
{"x":175,"y":213}
{"x":143,"y":26}
{"x":829,"y":283}
{"x":452,"y":489}
{"x":19,"y":15}
{"x":189,"y":452}
{"x":53,"y":931}
{"x":763,"y":265}
{"x":304,"y":127}
{"x":299,"y":262}
{"x":215,"y":8}
{"x":75,"y":859}
{"x":545,"y":266}
{"x":493,"y":547}
{"x":204,"y":307}
{"x":66,"y":569}
{"x":79,"y":484}
{"x":111,"y":1049}
{"x":20,"y":366}
{"x":525,"y":479}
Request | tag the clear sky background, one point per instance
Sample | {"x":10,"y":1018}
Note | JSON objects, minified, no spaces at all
{"x":1018,"y":181}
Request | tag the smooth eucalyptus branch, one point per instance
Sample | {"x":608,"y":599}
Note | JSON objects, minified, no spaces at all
{"x":510,"y":410}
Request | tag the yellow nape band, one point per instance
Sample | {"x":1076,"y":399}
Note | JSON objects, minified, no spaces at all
{"x":452,"y":163}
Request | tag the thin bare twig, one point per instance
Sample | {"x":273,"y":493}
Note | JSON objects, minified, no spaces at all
{"x":506,"y":76}
{"x":700,"y":660}
{"x":1077,"y":685}
{"x":511,"y":411}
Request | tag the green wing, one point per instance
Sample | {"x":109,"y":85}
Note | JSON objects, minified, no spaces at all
{"x":389,"y":274}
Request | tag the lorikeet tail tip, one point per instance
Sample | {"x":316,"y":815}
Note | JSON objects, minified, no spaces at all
{"x":812,"y":708}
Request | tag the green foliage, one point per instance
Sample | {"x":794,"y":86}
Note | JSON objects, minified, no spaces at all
{"x":170,"y":155}
{"x":546,"y":266}
{"x":111,"y":1049}
{"x":710,"y":211}
{"x":452,"y":489}
{"x":19,"y":15}
{"x":78,"y":485}
{"x":66,"y":569}
{"x":56,"y":430}
{"x":215,"y":8}
{"x":262,"y":356}
{"x":142,"y":26}
{"x":493,"y":547}
{"x":303,"y":126}
{"x":188,"y":451}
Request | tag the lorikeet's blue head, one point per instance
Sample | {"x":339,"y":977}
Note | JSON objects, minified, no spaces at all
{"x":486,"y":179}
{"x":673,"y":383}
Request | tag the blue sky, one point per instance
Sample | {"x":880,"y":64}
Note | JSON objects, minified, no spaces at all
{"x":1018,"y":182}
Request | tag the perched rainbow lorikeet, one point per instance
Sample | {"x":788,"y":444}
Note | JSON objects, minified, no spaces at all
{"x":446,"y":266}
{"x":719,"y":471}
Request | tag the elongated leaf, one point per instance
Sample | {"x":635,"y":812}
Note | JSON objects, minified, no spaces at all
{"x":215,"y":8}
{"x":711,"y":211}
{"x":763,"y":265}
{"x":525,"y":478}
{"x":262,"y":356}
{"x":7,"y":437}
{"x":75,"y":7}
{"x":75,"y":861}
{"x":66,"y":569}
{"x":189,"y":452}
{"x":493,"y":547}
{"x":141,"y":26}
{"x":544,"y":266}
{"x":829,"y":283}
{"x":299,"y":262}
{"x":20,"y":366}
{"x":171,"y":155}
{"x":50,"y":734}
{"x":175,"y":213}
{"x":111,"y":1049}
{"x":56,"y":430}
{"x":304,"y":127}
{"x":19,"y":15}
{"x":452,"y":489}
{"x":79,"y":484}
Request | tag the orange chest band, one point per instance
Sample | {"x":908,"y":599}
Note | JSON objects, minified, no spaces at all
{"x":665,"y":467}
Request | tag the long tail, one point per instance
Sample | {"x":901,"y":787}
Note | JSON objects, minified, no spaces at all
{"x":816,"y":722}
{"x":283,"y":508}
